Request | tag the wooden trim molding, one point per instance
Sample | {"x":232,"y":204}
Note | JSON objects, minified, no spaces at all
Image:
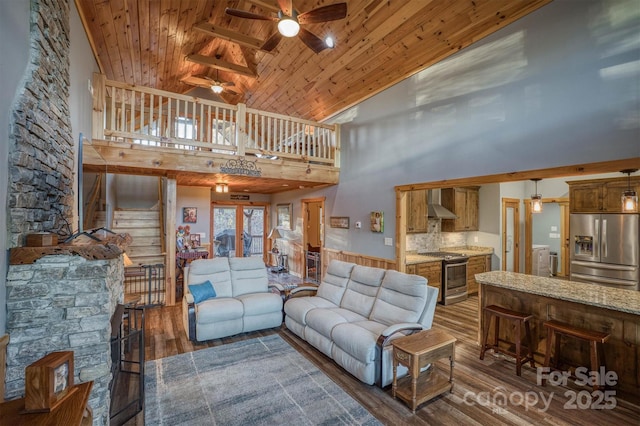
{"x":4,"y":342}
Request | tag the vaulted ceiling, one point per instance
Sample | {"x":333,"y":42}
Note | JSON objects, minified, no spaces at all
{"x":161,"y":43}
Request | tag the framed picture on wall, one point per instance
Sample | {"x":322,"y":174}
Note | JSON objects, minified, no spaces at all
{"x":189,"y":214}
{"x":377,"y":222}
{"x":283,"y":212}
{"x":339,"y":222}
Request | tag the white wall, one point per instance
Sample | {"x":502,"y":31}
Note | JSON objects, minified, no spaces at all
{"x":199,"y":197}
{"x":14,"y":56}
{"x":83,"y":65}
{"x":558,"y":87}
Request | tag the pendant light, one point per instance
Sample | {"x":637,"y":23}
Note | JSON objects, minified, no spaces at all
{"x":536,"y":199}
{"x":629,"y":196}
{"x":222,"y":187}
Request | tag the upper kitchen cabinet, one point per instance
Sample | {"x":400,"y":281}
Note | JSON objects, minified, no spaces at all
{"x":417,"y":220}
{"x":599,"y":196}
{"x":464,"y":202}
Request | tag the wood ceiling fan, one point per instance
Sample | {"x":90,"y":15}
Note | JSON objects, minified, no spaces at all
{"x":216,"y":85}
{"x":290,"y":21}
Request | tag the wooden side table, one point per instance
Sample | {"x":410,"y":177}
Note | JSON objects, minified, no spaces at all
{"x":416,"y":352}
{"x":72,"y":411}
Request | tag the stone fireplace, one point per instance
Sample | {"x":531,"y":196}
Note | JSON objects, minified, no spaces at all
{"x":64,"y":301}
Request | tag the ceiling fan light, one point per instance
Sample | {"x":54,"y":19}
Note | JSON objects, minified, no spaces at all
{"x":288,"y":27}
{"x":330,"y":42}
{"x":217,"y":88}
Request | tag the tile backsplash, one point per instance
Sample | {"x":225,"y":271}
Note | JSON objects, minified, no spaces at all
{"x":435,"y":239}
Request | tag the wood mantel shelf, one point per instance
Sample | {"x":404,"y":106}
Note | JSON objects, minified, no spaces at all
{"x":109,"y":247}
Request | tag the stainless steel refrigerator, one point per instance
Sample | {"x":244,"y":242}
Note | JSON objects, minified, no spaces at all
{"x":605,"y":249}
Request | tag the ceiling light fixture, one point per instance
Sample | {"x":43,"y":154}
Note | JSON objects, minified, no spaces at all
{"x":536,"y":199}
{"x":222,"y":187}
{"x":629,"y":196}
{"x":330,"y":42}
{"x":217,"y":88}
{"x":288,"y":26}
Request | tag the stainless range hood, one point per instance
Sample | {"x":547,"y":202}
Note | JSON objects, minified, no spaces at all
{"x":434,"y":209}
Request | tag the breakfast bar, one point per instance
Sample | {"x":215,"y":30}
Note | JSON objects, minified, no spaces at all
{"x":588,"y":306}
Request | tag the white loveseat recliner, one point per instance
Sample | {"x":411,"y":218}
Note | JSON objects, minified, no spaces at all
{"x":355,"y":314}
{"x":242,"y":303}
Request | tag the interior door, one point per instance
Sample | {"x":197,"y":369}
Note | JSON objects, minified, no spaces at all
{"x":511,"y":234}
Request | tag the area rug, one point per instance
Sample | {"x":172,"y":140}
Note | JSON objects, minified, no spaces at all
{"x":260,"y":381}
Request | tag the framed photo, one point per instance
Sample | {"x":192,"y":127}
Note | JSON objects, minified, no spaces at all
{"x":377,"y":221}
{"x":195,"y":240}
{"x":189,"y":214}
{"x":283,"y":212}
{"x":339,"y":222}
{"x":48,"y":382}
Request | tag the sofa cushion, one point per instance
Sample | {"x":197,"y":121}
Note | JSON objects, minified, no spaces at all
{"x":260,"y":303}
{"x":335,"y":281}
{"x":358,"y":339}
{"x":323,"y":320}
{"x":218,"y":310}
{"x":401,"y":298}
{"x":298,"y":307}
{"x":202,"y":291}
{"x":362,"y":289}
{"x":215,"y":270}
{"x":249,"y":275}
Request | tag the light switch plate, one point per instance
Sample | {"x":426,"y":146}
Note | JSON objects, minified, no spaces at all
{"x":388,"y":241}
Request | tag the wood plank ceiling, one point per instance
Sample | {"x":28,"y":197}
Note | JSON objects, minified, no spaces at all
{"x":379,"y":43}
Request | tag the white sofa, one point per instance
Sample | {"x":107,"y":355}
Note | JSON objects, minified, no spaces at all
{"x":243,"y":301}
{"x":355,"y":314}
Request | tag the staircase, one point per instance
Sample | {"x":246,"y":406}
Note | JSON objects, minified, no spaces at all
{"x":144,"y":227}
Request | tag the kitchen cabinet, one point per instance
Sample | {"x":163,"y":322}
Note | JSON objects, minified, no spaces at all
{"x":417,"y":220}
{"x":599,"y":196}
{"x":476,"y":265}
{"x":432,"y":271}
{"x":464,"y":203}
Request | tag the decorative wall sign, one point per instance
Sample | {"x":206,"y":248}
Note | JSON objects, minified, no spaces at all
{"x":377,"y":221}
{"x":241,"y":166}
{"x":243,"y":197}
{"x":339,"y":222}
{"x":189,"y":214}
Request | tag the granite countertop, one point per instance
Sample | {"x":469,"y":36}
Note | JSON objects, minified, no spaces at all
{"x":413,"y":257}
{"x":587,"y":294}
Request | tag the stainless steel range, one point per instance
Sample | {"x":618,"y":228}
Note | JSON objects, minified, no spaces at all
{"x":454,"y":276}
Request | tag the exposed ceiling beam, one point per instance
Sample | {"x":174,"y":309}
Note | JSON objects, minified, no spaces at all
{"x":264,"y":5}
{"x":232,"y":36}
{"x":221,"y":65}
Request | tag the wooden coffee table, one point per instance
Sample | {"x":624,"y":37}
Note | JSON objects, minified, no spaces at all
{"x":416,"y":352}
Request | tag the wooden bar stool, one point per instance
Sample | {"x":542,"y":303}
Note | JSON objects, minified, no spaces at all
{"x":556,"y":329}
{"x":497,"y":312}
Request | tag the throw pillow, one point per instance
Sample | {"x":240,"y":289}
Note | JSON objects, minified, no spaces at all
{"x":202,"y":291}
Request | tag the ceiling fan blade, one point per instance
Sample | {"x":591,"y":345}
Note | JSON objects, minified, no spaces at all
{"x":330,"y":12}
{"x":272,"y":42}
{"x":248,"y":15}
{"x":312,"y":41}
{"x":286,"y":7}
{"x":228,"y":83}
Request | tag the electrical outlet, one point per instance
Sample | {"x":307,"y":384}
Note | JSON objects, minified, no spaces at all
{"x":358,"y":225}
{"x":90,"y":86}
{"x":475,"y":239}
{"x":388,"y":241}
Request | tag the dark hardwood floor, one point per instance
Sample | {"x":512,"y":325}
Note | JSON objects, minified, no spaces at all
{"x":485,"y":392}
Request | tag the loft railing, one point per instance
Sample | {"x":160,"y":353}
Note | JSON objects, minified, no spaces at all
{"x":145,"y":116}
